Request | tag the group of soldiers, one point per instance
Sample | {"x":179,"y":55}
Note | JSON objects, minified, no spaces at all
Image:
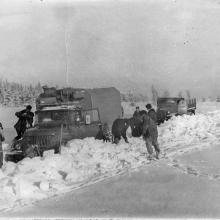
{"x":25,"y":121}
{"x":149,"y":129}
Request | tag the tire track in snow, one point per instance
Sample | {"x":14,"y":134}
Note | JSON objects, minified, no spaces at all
{"x":188,"y":169}
{"x":191,"y":171}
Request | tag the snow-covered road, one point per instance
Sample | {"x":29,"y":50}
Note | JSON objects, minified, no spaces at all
{"x":84,"y":162}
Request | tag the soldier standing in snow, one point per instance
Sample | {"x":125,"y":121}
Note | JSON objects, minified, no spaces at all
{"x":151,"y":112}
{"x":2,"y":138}
{"x":137,"y":113}
{"x":150,"y":135}
{"x":24,"y":122}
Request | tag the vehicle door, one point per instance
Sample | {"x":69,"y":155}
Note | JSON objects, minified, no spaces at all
{"x":182,"y":107}
{"x":92,"y":122}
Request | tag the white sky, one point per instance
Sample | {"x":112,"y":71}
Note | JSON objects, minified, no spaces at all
{"x":172,"y":44}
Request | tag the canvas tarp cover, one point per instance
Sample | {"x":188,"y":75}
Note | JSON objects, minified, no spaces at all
{"x":108,"y":101}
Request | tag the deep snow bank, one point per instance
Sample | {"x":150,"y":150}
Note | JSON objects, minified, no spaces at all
{"x":187,"y":129}
{"x":84,"y":161}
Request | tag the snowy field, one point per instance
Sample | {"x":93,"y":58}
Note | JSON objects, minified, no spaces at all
{"x":85,"y":162}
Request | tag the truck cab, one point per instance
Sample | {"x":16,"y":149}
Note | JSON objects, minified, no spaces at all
{"x":55,"y":126}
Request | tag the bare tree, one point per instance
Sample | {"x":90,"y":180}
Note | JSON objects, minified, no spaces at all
{"x":154,"y":94}
{"x":203,"y":99}
{"x":188,"y":94}
{"x":131,"y":97}
{"x":180,"y":94}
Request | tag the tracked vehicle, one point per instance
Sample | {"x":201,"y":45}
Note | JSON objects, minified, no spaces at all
{"x":66,"y":114}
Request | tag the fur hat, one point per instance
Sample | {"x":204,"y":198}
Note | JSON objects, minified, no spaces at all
{"x":148,"y":106}
{"x":29,"y":107}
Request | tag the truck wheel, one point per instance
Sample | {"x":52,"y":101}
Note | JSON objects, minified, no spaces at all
{"x":116,"y":140}
{"x":13,"y":158}
{"x":191,"y":112}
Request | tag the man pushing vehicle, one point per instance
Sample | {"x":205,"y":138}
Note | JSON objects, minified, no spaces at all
{"x":24,"y":122}
{"x":150,"y":134}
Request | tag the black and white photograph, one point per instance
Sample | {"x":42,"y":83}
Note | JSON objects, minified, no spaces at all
{"x":109,"y":109}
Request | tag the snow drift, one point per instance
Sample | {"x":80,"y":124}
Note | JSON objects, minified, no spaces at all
{"x":87,"y":161}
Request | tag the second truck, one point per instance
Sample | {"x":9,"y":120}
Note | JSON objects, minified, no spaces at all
{"x":173,"y":106}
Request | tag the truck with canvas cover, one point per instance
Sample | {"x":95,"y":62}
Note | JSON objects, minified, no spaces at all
{"x":66,"y":114}
{"x":173,"y":106}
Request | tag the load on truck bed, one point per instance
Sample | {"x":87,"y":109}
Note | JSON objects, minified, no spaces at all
{"x":66,"y":114}
{"x":169,"y":106}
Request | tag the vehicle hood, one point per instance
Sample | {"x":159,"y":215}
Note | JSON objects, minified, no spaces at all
{"x":42,"y":132}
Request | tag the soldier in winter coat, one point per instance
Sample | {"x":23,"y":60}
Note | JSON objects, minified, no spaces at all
{"x":119,"y":129}
{"x":136,"y":126}
{"x":137,"y":112}
{"x":151,"y":112}
{"x":2,"y":138}
{"x":24,"y":122}
{"x":150,"y":135}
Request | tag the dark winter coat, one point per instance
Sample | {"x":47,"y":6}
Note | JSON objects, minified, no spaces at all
{"x":137,"y":114}
{"x":136,"y":126}
{"x":22,"y":122}
{"x":119,"y":129}
{"x":143,"y":112}
{"x":2,"y":138}
{"x":149,"y":127}
{"x":104,"y":133}
{"x":99,"y":135}
{"x":152,"y":113}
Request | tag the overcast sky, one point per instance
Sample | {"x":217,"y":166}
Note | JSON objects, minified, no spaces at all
{"x":172,"y":44}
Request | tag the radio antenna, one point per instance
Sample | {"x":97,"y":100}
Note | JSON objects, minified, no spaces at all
{"x":66,"y":43}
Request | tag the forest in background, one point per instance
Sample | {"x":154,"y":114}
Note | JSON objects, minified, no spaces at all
{"x":15,"y":94}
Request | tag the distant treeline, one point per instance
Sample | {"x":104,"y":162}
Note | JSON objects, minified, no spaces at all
{"x":15,"y":94}
{"x":133,"y":98}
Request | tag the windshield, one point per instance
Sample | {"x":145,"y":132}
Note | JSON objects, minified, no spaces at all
{"x":65,"y":116}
